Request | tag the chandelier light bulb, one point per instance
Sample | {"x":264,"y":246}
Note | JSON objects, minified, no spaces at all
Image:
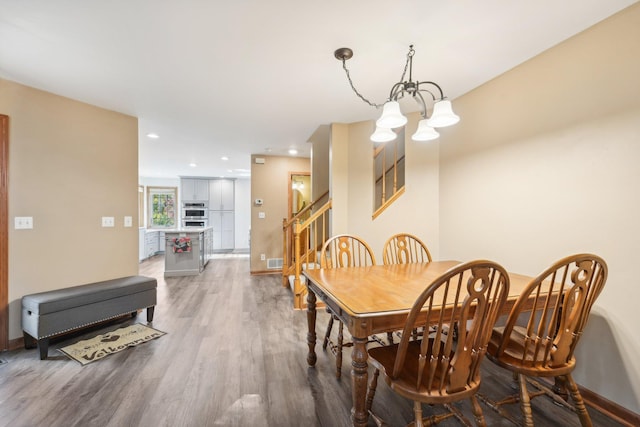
{"x":425,"y":132}
{"x":391,"y":116}
{"x":443,"y":115}
{"x":383,"y":135}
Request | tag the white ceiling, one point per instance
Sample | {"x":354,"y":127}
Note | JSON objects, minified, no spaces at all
{"x":235,"y":78}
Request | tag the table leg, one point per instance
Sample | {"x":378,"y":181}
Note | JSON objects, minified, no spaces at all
{"x":359,"y":382}
{"x":311,"y":323}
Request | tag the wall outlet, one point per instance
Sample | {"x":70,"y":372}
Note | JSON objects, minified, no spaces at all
{"x":128,"y":221}
{"x":108,"y":221}
{"x":23,"y":222}
{"x":263,"y":257}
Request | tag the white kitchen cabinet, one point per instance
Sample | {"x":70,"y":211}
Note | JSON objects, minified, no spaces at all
{"x":223,"y":229}
{"x":194,"y":189}
{"x":221,"y":194}
{"x":151,"y":243}
{"x":162,"y":244}
{"x":142,"y":244}
{"x":221,"y":213}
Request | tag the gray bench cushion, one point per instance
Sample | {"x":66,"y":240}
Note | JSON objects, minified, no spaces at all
{"x":76,"y":296}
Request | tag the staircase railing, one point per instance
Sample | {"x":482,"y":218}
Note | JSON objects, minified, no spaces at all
{"x":302,"y":238}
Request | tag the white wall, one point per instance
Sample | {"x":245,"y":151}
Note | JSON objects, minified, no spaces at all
{"x":160,"y":182}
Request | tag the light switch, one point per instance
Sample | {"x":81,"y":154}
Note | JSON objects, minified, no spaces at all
{"x":23,"y":222}
{"x":261,"y":215}
{"x":128,"y":221}
{"x":108,"y":221}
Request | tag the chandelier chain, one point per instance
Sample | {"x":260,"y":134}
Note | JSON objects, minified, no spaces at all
{"x":406,"y":64}
{"x":346,"y":70}
{"x":373,"y":104}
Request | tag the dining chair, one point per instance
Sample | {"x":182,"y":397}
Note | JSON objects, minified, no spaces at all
{"x":437,"y":369}
{"x":541,"y":343}
{"x":405,"y":248}
{"x":339,"y":251}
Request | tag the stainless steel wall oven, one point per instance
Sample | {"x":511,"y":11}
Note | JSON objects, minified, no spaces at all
{"x":194,"y":211}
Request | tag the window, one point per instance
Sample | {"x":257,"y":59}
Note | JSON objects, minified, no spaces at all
{"x":162,"y":206}
{"x":388,"y":167}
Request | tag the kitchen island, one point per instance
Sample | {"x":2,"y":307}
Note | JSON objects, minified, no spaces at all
{"x":187,"y":250}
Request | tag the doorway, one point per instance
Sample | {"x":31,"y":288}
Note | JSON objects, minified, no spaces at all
{"x":299,"y":193}
{"x":4,"y":232}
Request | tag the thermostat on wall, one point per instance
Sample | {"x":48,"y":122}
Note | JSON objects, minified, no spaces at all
{"x":258,"y":202}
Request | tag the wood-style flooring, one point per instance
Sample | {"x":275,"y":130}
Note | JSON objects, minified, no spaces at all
{"x":234,"y":355}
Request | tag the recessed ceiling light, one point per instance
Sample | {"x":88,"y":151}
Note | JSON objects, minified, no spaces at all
{"x":153,"y":135}
{"x":192,"y":165}
{"x":225,"y":158}
{"x":293,"y":151}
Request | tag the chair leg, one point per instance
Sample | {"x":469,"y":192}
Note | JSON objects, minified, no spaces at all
{"x":417,"y":412}
{"x":327,"y":336}
{"x":525,"y":402}
{"x":339,"y":350}
{"x":390,"y":338}
{"x":371,"y":392}
{"x":560,"y":388}
{"x":585,"y":419}
{"x":372,"y":389}
{"x":477,"y":412}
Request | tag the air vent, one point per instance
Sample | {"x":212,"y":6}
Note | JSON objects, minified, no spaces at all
{"x":274,"y":263}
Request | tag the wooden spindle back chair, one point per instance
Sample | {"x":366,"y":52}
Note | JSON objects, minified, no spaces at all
{"x":345,"y":250}
{"x":438,"y":369}
{"x":339,"y":251}
{"x":541,"y":342}
{"x":405,"y":248}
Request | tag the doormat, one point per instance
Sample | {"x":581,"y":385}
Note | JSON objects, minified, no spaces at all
{"x":87,"y":351}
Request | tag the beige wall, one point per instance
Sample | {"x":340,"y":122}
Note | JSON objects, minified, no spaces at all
{"x":69,"y":164}
{"x":544,"y":163}
{"x":339,"y":178}
{"x":415,"y":212}
{"x":320,"y":161}
{"x":270,"y":182}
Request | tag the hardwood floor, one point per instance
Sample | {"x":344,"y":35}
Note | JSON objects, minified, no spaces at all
{"x":234,"y":355}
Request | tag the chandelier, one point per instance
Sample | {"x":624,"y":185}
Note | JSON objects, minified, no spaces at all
{"x":442,"y":115}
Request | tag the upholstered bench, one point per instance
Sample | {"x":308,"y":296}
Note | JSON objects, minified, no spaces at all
{"x":51,"y":313}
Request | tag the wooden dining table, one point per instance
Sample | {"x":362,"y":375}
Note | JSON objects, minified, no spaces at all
{"x":371,"y":300}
